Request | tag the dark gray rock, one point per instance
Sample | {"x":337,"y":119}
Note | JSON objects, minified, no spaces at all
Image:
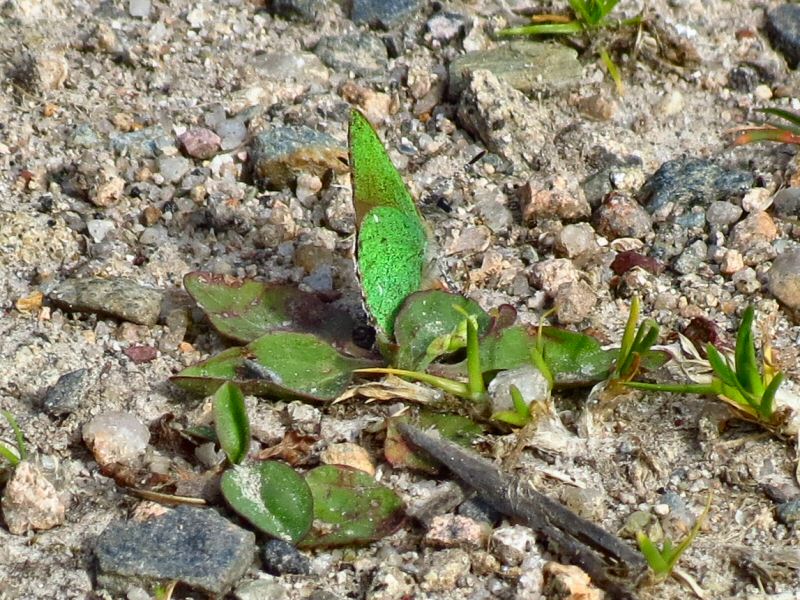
{"x":743,"y":78}
{"x":362,"y":53}
{"x":783,"y":31}
{"x":194,"y":546}
{"x":686,"y":182}
{"x":120,"y":298}
{"x":385,"y":14}
{"x":282,"y":558}
{"x":787,"y":203}
{"x":789,"y":512}
{"x":66,"y":394}
{"x":525,"y":66}
{"x":304,"y":10}
{"x":279,"y":154}
{"x":478,"y":510}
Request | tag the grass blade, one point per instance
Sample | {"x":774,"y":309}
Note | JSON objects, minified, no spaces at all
{"x":721,"y":367}
{"x":613,"y":71}
{"x":543,"y":29}
{"x":767,"y":134}
{"x":787,"y":115}
{"x":767,"y":406}
{"x":21,"y":448}
{"x":745,"y":355}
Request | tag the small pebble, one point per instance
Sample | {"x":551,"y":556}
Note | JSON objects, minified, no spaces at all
{"x":116,"y":437}
{"x":622,"y":217}
{"x":68,"y":393}
{"x":789,"y":512}
{"x":575,"y":240}
{"x":511,"y":544}
{"x":200,"y":142}
{"x":449,"y":531}
{"x":282,"y":558}
{"x":549,"y":275}
{"x":574,"y":302}
{"x":30,"y":501}
{"x":784,"y":278}
{"x":442,"y":570}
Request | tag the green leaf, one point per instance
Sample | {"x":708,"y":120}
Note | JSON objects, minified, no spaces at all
{"x":427,"y":318}
{"x":350,"y":507}
{"x":793,"y":118}
{"x":767,"y":406}
{"x":543,"y":29}
{"x":281,"y":364}
{"x":652,"y":554}
{"x":520,"y":416}
{"x":271,"y":496}
{"x":245,"y":309}
{"x":231,"y":423}
{"x":747,"y":372}
{"x":22,"y":450}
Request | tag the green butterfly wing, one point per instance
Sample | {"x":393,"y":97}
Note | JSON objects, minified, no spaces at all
{"x":375,"y":180}
{"x":395,"y":246}
{"x":391,"y":259}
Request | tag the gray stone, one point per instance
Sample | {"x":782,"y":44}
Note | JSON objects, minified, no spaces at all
{"x":495,"y":215}
{"x":119,"y":298}
{"x":98,"y":229}
{"x":690,"y":259}
{"x":512,"y":543}
{"x":478,"y":510}
{"x":66,"y":395}
{"x":787,"y":202}
{"x":362,"y":53}
{"x":194,"y":546}
{"x":526,"y":66}
{"x":144,"y":143}
{"x":385,"y":14}
{"x":139,"y":8}
{"x":282,"y":558}
{"x":783,"y":278}
{"x":789,"y":512}
{"x":303,"y":67}
{"x":279,"y":154}
{"x":232,"y":133}
{"x":261,"y":589}
{"x":84,"y":136}
{"x":502,"y":118}
{"x":783,"y":31}
{"x":721,"y":214}
{"x":575,"y":240}
{"x":172,"y":168}
{"x":687,"y":182}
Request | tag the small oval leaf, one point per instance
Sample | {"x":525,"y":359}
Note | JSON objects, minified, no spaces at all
{"x":272,"y":496}
{"x":231,"y":423}
{"x":350,"y":507}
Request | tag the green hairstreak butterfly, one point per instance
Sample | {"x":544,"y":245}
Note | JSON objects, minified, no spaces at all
{"x":395,"y":247}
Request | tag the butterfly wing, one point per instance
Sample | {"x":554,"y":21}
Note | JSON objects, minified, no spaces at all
{"x":392,"y":256}
{"x":395,"y":251}
{"x":375,"y":180}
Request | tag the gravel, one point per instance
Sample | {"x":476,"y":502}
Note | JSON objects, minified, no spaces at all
{"x":140,"y":141}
